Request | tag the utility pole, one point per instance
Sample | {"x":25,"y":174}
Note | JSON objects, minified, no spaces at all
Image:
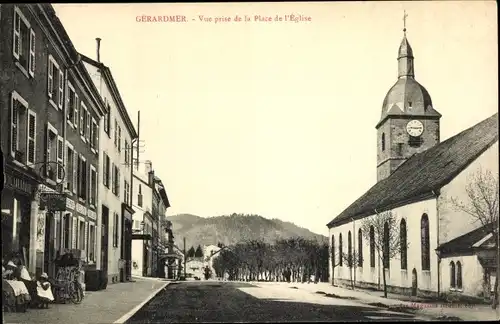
{"x":184,"y":257}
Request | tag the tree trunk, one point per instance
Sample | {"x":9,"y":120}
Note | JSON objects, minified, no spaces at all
{"x":385,"y":283}
{"x":352,"y":281}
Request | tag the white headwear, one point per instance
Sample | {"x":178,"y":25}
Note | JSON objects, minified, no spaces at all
{"x":10,"y":263}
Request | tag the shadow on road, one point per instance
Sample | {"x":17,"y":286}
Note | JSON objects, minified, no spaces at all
{"x":223,"y":302}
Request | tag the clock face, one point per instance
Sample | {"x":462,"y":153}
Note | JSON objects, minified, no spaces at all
{"x":415,"y":128}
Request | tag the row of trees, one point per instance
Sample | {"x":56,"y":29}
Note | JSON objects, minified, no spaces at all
{"x":294,"y":259}
{"x":195,"y":253}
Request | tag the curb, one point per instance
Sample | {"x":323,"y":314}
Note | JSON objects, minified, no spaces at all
{"x":134,"y":310}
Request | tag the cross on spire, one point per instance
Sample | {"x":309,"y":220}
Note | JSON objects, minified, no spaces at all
{"x":404,"y":21}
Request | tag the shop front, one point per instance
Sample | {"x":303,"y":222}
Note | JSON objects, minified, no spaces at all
{"x":17,"y":218}
{"x":126,"y":246}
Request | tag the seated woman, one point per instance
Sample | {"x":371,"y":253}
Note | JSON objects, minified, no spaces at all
{"x":44,"y":291}
{"x":8,"y":295}
{"x":29,"y":282}
{"x":13,"y":279}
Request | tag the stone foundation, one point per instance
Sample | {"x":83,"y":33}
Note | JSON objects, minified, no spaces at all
{"x":390,"y":289}
{"x":449,"y":297}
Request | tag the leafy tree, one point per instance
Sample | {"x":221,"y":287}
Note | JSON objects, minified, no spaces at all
{"x":387,"y":238}
{"x":481,"y":203}
{"x":199,"y":252}
{"x":190,"y":252}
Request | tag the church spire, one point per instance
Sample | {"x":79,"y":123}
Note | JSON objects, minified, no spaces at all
{"x":405,"y":55}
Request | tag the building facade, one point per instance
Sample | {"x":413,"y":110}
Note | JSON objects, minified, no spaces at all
{"x":418,"y":178}
{"x":51,"y":111}
{"x":117,"y":134}
{"x":142,"y":203}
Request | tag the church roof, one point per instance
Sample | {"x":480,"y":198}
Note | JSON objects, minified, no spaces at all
{"x":424,"y":173}
{"x":478,"y":238}
{"x":405,"y":48}
{"x":407,"y":96}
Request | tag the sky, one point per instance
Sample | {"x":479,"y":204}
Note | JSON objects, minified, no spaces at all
{"x":278,"y":118}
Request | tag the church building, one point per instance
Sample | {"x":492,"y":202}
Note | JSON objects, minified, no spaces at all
{"x":444,"y":251}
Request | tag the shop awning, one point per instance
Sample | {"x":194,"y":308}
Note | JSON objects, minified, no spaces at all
{"x":144,"y":237}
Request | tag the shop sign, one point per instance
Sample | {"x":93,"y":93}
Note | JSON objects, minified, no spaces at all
{"x":81,"y":209}
{"x":54,"y":202}
{"x":18,"y":184}
{"x":70,"y":204}
{"x":92,"y":214}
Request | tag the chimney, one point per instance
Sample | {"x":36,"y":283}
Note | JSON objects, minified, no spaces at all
{"x":98,"y":49}
{"x":148,"y":166}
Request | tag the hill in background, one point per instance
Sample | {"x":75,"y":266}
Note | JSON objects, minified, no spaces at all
{"x":233,"y":229}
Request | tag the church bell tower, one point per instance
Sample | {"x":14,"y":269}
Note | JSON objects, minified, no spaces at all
{"x":409,"y":124}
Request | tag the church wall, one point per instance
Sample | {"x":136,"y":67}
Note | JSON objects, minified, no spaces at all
{"x":472,"y":276}
{"x":400,"y":280}
{"x":453,"y":223}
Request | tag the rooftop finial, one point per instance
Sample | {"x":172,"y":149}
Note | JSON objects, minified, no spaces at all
{"x":404,"y":22}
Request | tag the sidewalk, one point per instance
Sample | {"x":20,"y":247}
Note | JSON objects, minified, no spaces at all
{"x":420,"y":307}
{"x":105,"y":306}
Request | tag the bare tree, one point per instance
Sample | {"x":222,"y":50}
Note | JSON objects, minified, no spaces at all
{"x":351,"y":260}
{"x":481,"y":202}
{"x":387,"y":238}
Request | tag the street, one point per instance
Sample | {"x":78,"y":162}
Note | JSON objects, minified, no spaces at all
{"x":213,"y":301}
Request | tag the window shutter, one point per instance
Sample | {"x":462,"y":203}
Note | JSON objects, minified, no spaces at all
{"x":113,"y":187}
{"x":16,"y":46}
{"x":51,"y":78}
{"x":14,"y":126}
{"x":86,"y":244}
{"x":87,"y":134}
{"x":47,"y":145}
{"x":61,"y":90}
{"x":31,"y":137}
{"x":74,"y":234}
{"x":116,"y":132}
{"x":119,"y":139}
{"x":118,"y":183}
{"x":69,"y":108}
{"x":60,"y":154}
{"x":75,"y":167}
{"x":32,"y":53}
{"x":82,"y":115}
{"x":75,"y":107}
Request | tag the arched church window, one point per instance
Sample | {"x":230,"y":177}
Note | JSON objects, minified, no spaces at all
{"x":333,"y":251}
{"x":452,"y":274}
{"x":360,"y":248}
{"x":340,"y":250}
{"x":404,"y":245}
{"x":387,"y":263}
{"x":383,"y":141}
{"x":459,"y":275}
{"x":349,"y":249}
{"x":425,"y":242}
{"x":372,"y":247}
